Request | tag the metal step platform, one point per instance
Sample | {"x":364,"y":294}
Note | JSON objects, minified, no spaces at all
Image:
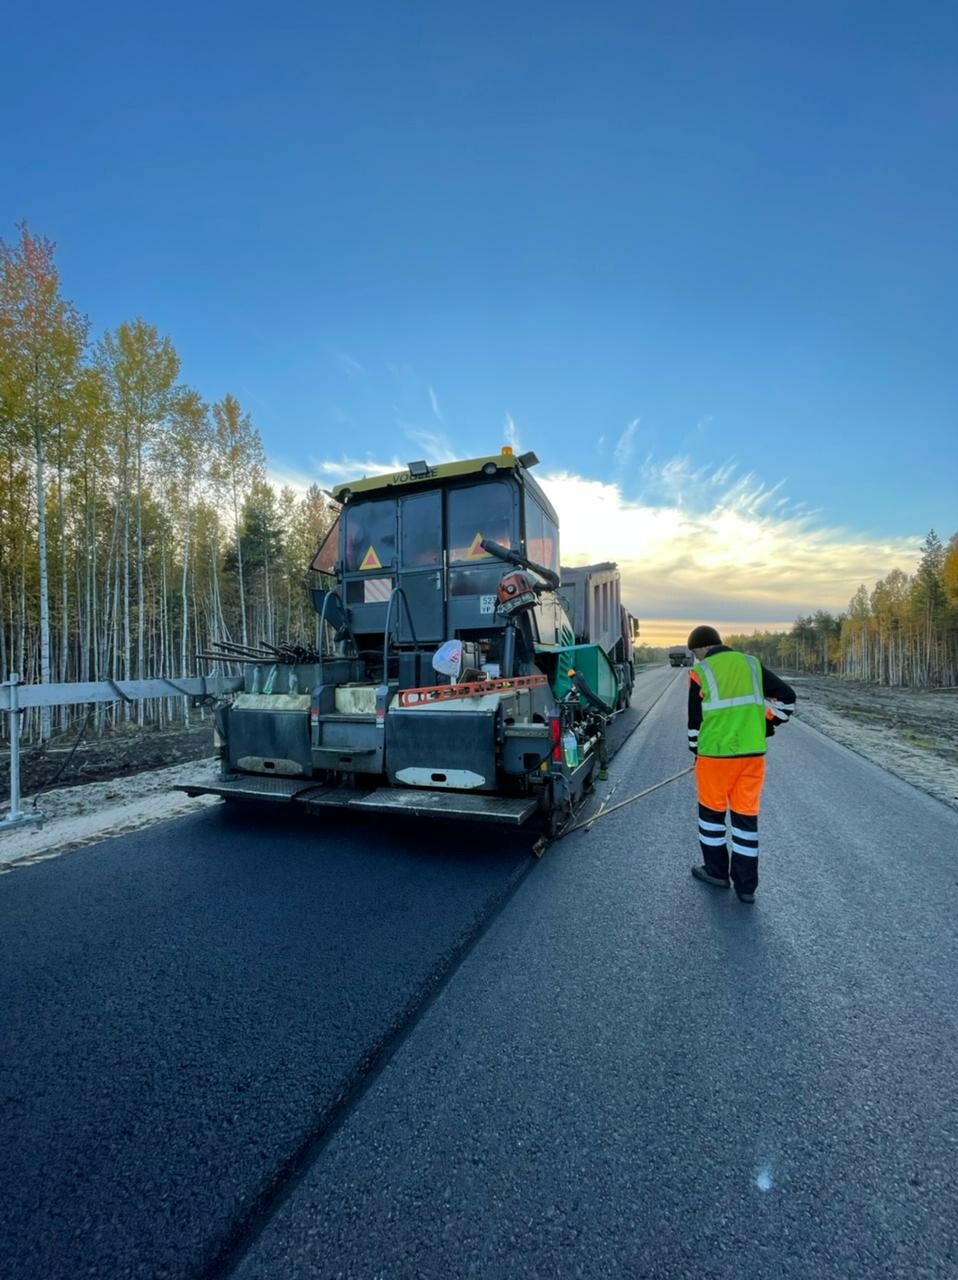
{"x":448,"y":804}
{"x":252,"y":787}
{"x":414,"y":801}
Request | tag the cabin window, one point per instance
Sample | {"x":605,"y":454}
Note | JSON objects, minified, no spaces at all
{"x":324,"y":561}
{"x":370,"y":535}
{"x":421,"y":530}
{"x":479,"y":511}
{"x":542,"y":539}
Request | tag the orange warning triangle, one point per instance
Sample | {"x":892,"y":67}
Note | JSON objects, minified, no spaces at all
{"x":371,"y":560}
{"x":476,"y":552}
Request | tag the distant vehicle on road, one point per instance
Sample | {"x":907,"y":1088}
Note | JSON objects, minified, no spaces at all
{"x":679,"y":656}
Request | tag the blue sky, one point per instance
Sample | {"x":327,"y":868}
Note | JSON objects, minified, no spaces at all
{"x":701,"y":258}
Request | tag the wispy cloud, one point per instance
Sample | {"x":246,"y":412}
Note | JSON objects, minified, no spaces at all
{"x":326,"y":472}
{"x":512,"y":432}
{"x":352,"y":368}
{"x":435,"y":446}
{"x":282,"y":475}
{"x":623,"y":447}
{"x":338,"y":471}
{"x":434,"y":401}
{"x":715,"y":544}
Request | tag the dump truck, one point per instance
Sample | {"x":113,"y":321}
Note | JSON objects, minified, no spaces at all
{"x":680,"y":656}
{"x":592,"y":597}
{"x":447,"y":676}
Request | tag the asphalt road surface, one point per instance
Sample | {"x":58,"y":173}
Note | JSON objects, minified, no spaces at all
{"x":186,"y":1011}
{"x":238,"y":1048}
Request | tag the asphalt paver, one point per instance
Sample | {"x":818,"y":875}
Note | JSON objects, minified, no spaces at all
{"x":633,"y":1074}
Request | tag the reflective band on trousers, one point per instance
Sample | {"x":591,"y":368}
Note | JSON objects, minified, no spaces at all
{"x":714,"y":703}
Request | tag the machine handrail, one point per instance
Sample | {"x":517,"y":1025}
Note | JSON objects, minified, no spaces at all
{"x":396,"y":591}
{"x":322,"y":617}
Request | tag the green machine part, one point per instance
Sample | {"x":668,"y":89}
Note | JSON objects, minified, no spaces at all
{"x":591,"y":663}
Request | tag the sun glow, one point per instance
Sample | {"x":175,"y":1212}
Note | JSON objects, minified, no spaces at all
{"x":695,"y":545}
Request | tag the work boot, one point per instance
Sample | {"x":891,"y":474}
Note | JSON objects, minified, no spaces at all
{"x":702,"y":873}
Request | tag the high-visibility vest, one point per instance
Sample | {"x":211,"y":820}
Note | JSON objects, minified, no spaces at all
{"x":733,"y":706}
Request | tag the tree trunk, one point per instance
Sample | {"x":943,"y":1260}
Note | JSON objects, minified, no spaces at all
{"x":140,"y":596}
{"x":185,"y":610}
{"x":44,"y":583}
{"x":239,"y":565}
{"x":127,"y":633}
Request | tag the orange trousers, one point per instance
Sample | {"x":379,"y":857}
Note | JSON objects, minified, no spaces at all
{"x":730,"y":783}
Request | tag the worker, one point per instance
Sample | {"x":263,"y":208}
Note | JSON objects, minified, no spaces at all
{"x":734,"y":706}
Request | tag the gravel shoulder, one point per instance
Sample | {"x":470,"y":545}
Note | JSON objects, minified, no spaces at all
{"x":77,"y":816}
{"x":911,"y":733}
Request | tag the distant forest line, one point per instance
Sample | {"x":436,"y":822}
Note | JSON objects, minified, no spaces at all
{"x":902,"y":632}
{"x":137,"y":523}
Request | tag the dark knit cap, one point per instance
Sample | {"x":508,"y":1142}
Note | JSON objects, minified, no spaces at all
{"x":704,"y":638}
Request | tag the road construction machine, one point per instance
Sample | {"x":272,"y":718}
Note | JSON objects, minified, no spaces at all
{"x":456,"y":670}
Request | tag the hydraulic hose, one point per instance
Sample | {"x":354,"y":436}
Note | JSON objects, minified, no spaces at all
{"x":552,"y":579}
{"x":581,"y":684}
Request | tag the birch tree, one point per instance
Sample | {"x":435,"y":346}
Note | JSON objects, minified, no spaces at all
{"x":183,"y":457}
{"x":90,"y":410}
{"x":42,"y":337}
{"x":238,"y":461}
{"x":141,"y":369}
{"x":949,"y":570}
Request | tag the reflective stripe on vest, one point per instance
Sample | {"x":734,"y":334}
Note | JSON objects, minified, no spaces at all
{"x":715,"y":703}
{"x":731,"y":726}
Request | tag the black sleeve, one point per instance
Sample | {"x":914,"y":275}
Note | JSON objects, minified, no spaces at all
{"x":695,"y":714}
{"x":779,"y":694}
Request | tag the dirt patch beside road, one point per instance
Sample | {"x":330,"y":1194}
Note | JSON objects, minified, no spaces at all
{"x":126,"y":782}
{"x":911,"y":733}
{"x":76,"y":816}
{"x":117,"y":754}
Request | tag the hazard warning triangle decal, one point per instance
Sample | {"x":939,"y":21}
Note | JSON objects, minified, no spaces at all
{"x":475,"y":551}
{"x":370,"y":559}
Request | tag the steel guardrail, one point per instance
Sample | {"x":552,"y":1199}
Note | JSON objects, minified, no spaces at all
{"x":15,"y":698}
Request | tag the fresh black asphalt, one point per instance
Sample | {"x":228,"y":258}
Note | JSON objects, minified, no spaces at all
{"x":184,"y":1012}
{"x":627,"y":1074}
{"x":183,"y":1008}
{"x":632,"y":1074}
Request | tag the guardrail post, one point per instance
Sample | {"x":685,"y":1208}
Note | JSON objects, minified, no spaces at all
{"x":15,"y":817}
